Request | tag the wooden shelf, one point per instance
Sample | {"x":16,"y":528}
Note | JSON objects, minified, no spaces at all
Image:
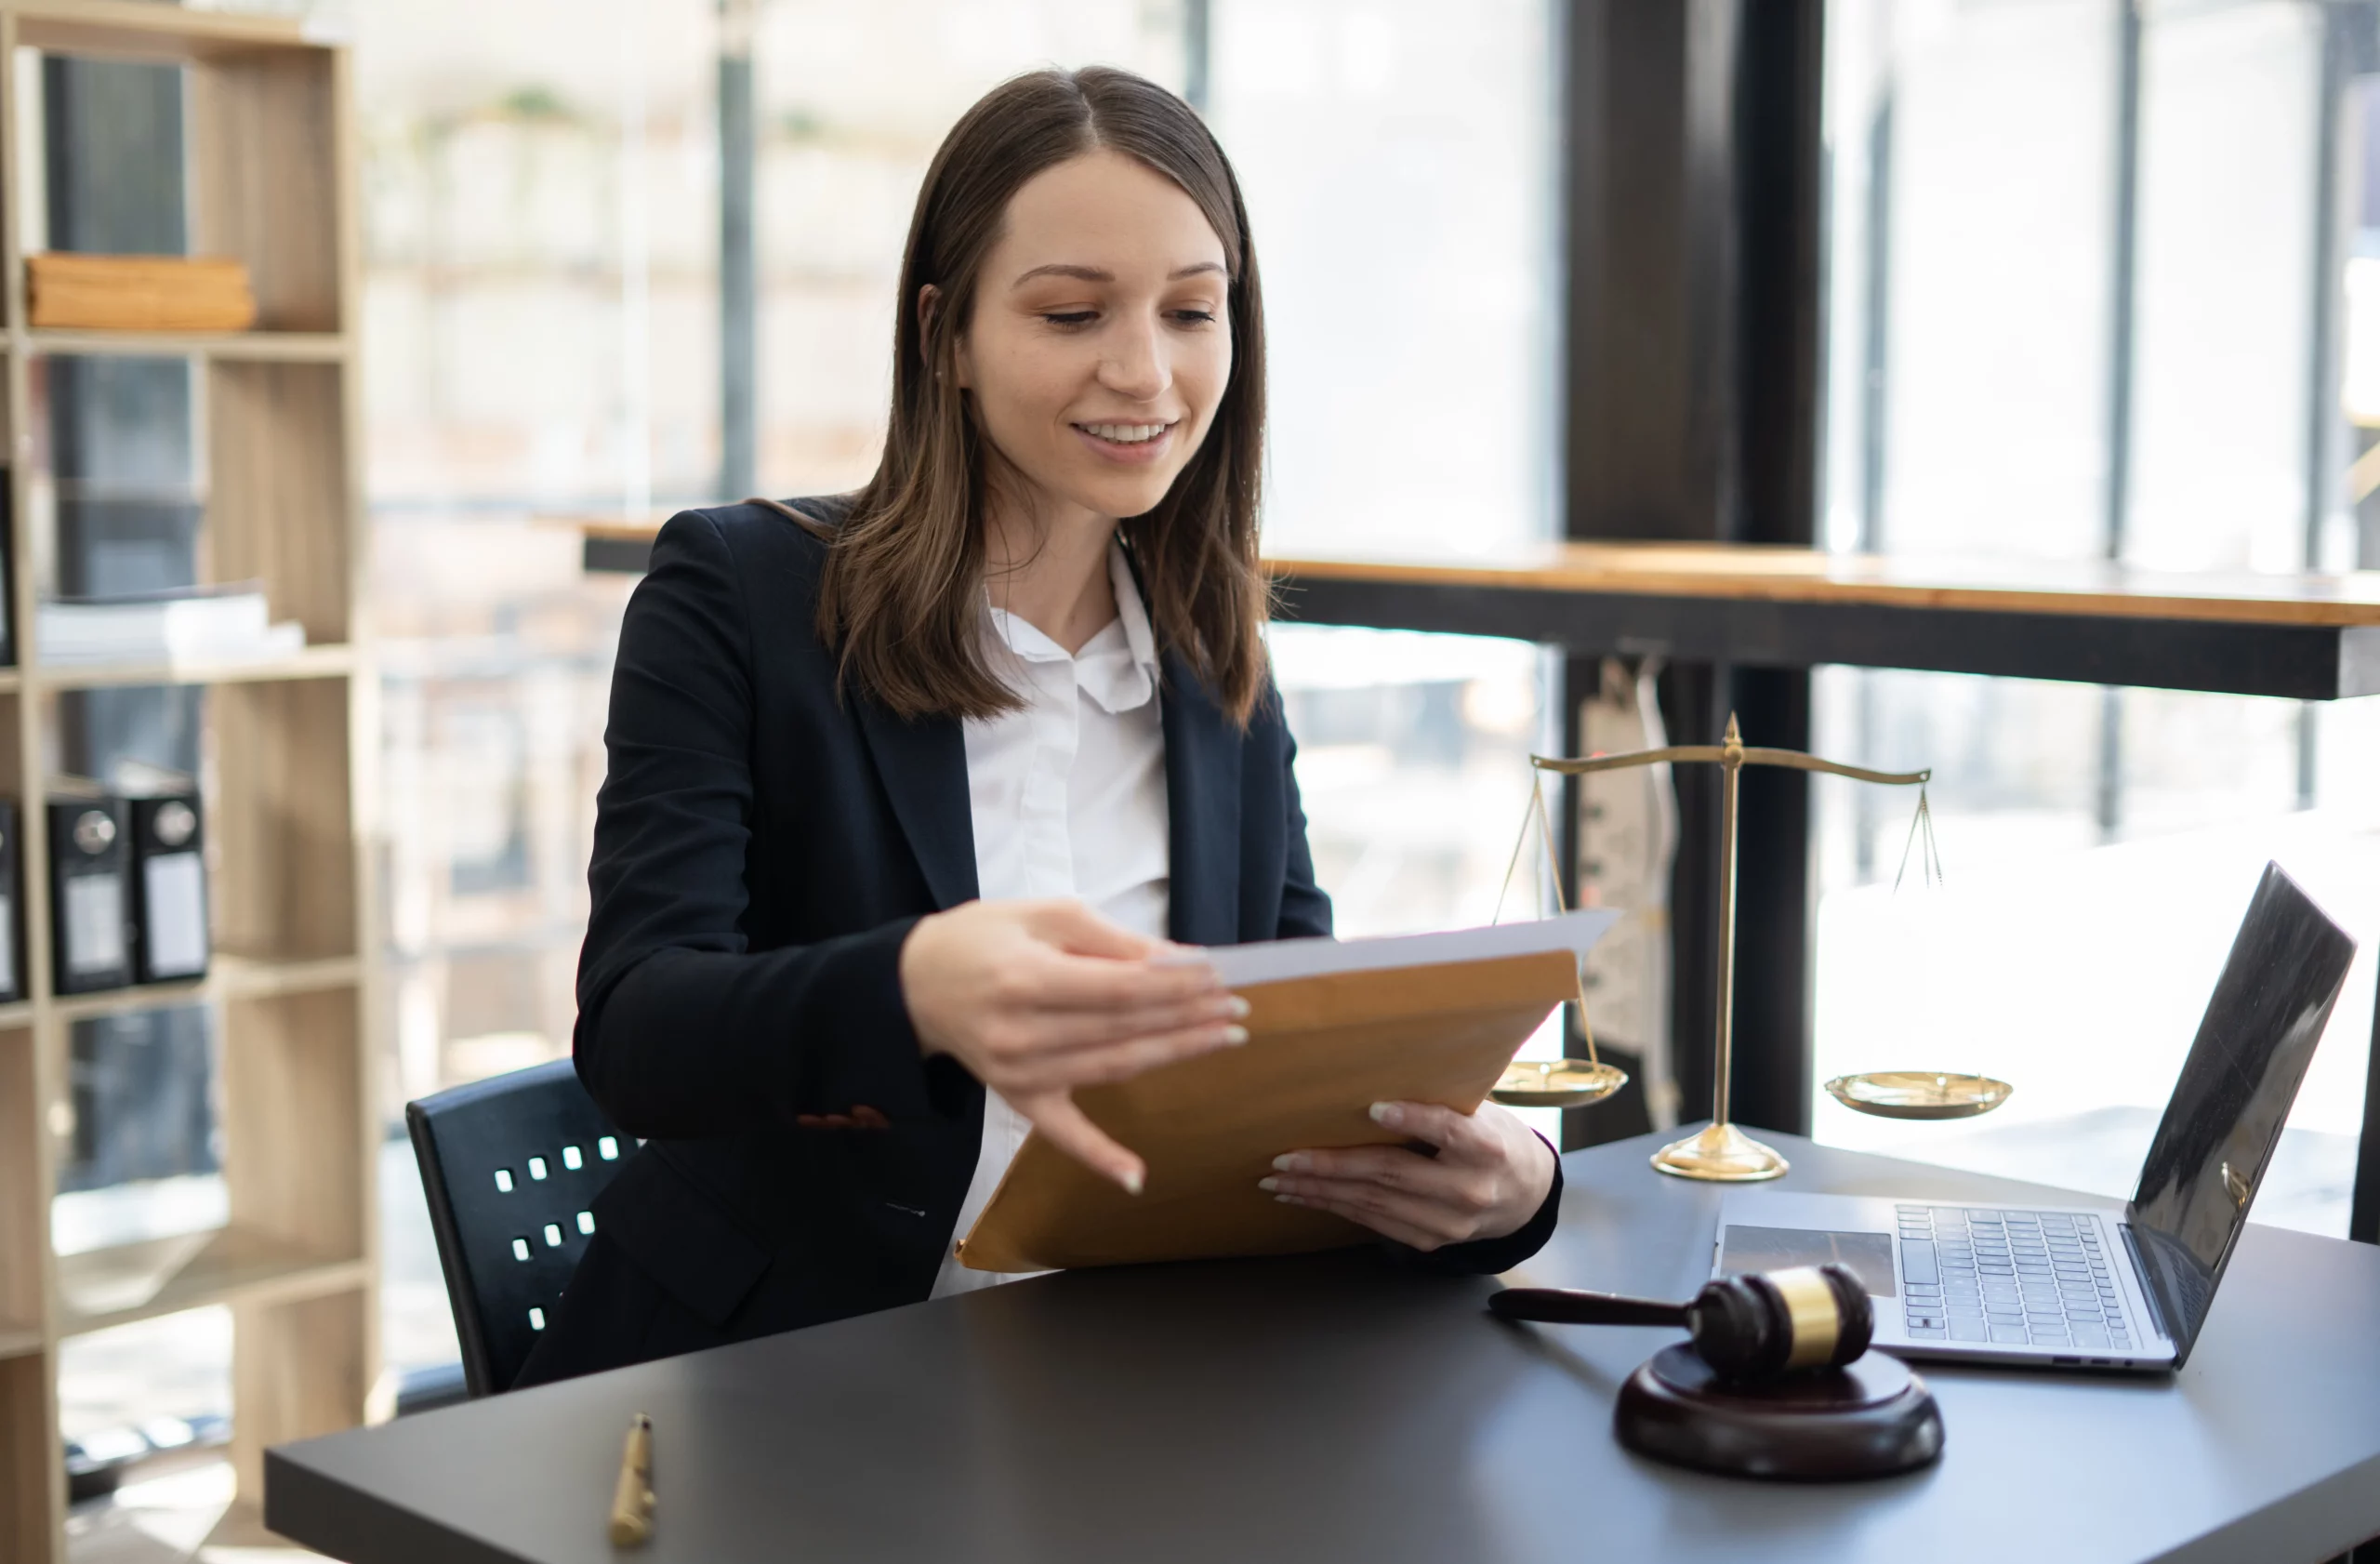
{"x":268,"y":179}
{"x":266,"y":347}
{"x":129,"y":1282}
{"x":232,"y":977}
{"x":132,"y":30}
{"x":314,"y":662}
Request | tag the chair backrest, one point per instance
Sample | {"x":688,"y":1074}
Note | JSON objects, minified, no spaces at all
{"x":511,"y":1166}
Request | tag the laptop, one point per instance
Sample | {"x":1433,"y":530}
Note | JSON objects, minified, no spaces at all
{"x":2070,"y":1286}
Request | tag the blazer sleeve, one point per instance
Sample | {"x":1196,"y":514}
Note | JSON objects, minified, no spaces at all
{"x":1305,"y":907}
{"x":683,"y":1032}
{"x":1486,"y":1256}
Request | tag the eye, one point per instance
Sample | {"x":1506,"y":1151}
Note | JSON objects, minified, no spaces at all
{"x":1195,"y":317}
{"x":1072,"y":317}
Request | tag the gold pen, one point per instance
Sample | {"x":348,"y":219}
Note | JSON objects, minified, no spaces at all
{"x":632,"y":1498}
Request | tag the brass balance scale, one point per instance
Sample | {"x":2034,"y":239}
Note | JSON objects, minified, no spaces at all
{"x":1721,"y":1152}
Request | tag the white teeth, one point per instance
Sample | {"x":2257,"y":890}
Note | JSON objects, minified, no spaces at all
{"x":1126,"y":434}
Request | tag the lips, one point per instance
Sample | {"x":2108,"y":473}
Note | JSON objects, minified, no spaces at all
{"x":1130,"y":444}
{"x":1125,"y":434}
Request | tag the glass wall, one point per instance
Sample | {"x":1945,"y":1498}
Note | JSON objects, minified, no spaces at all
{"x":2091,"y":296}
{"x":1399,"y":164}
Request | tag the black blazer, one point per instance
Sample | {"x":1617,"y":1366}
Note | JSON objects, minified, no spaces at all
{"x":763,"y":845}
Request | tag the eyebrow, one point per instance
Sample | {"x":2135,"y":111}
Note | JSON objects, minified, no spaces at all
{"x":1093,"y":274}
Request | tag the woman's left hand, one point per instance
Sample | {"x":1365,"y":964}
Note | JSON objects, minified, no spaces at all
{"x":1488,"y":1178}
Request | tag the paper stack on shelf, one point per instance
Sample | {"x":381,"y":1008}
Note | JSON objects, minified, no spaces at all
{"x":200,"y":625}
{"x":139,"y":293}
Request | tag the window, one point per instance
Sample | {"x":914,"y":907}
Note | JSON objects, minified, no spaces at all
{"x":1399,"y":164}
{"x":2084,"y":302}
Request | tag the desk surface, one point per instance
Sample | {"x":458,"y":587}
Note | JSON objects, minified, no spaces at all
{"x":1335,"y":1407}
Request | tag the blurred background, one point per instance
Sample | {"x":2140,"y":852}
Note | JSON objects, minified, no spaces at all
{"x":2101,"y":280}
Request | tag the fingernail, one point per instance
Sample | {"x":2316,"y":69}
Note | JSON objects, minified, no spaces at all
{"x":1289,"y":1161}
{"x":1235,"y":1007}
{"x":1234,"y":1036}
{"x":1132,"y":1182}
{"x":1268,"y":1184}
{"x":1386,"y":1114}
{"x":1289,"y":1200}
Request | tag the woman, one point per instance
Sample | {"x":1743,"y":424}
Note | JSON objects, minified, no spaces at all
{"x":918,"y":796}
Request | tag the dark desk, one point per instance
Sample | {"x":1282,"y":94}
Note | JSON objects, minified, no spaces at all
{"x":1335,"y":1407}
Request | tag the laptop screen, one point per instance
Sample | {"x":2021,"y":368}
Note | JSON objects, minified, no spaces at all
{"x":2221,"y":1125}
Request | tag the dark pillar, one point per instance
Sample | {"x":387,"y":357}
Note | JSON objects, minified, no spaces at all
{"x":739,"y":407}
{"x":2120,"y":353}
{"x":1197,"y":51}
{"x":1693,"y":233}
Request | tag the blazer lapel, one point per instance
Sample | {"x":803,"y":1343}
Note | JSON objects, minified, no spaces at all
{"x":1202,"y":751}
{"x":923,"y":767}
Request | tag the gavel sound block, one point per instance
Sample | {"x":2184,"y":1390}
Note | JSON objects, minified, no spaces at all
{"x":1778,"y":1382}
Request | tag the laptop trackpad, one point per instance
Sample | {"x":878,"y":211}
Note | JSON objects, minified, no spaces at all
{"x":1869,"y":1255}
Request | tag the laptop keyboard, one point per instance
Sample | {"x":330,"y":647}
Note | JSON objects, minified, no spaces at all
{"x":2021,"y":1278}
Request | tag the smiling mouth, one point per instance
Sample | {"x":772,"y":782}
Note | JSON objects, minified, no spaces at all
{"x":1125,"y":434}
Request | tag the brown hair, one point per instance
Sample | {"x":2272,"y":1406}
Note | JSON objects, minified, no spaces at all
{"x":901,"y":595}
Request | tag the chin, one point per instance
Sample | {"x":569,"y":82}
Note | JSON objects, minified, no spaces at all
{"x":1108,"y":497}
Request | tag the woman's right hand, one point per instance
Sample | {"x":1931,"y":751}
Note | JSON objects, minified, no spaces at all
{"x":1036,"y":998}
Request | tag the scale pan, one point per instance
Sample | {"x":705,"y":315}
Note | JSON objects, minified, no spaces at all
{"x":1918,"y":1093}
{"x":1556,"y":1083}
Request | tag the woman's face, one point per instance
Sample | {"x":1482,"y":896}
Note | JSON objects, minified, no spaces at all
{"x":1100,"y":346}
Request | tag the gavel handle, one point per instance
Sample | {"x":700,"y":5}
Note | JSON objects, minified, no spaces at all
{"x":1568,"y":1306}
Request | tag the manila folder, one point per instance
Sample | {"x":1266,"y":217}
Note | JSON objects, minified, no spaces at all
{"x":1323,"y":1046}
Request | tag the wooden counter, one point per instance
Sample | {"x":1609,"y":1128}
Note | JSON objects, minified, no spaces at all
{"x":2305,"y":637}
{"x":2309,"y":637}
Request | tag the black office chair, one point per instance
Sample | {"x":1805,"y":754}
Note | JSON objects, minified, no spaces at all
{"x":511,"y":1166}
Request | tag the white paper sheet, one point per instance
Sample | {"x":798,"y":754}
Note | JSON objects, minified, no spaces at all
{"x":1276,"y":961}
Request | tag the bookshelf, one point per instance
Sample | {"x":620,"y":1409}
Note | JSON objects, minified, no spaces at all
{"x":288,"y":746}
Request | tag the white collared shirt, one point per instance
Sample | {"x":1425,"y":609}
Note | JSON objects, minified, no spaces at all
{"x":1067,"y":797}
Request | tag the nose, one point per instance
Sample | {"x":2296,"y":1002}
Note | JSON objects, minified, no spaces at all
{"x":1134,"y":363}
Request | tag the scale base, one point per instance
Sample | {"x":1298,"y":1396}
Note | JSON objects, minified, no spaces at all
{"x":1721,"y":1154}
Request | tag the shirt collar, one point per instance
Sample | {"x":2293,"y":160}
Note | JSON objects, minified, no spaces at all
{"x":1118,"y":667}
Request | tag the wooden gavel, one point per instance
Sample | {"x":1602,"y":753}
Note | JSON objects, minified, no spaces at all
{"x":1750,"y":1328}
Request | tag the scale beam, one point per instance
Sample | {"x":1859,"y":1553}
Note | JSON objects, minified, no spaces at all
{"x":1720,"y":1152}
{"x":1717,"y":754}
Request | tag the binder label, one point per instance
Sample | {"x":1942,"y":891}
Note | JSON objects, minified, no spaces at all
{"x":174,"y":891}
{"x":95,"y":924}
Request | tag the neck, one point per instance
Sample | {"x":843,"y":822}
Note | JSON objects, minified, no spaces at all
{"x":1046,"y":564}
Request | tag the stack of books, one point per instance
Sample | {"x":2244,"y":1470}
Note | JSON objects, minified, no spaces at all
{"x":139,"y":293}
{"x":196,"y":624}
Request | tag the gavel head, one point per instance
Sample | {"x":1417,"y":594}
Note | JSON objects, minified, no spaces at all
{"x":1761,"y":1325}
